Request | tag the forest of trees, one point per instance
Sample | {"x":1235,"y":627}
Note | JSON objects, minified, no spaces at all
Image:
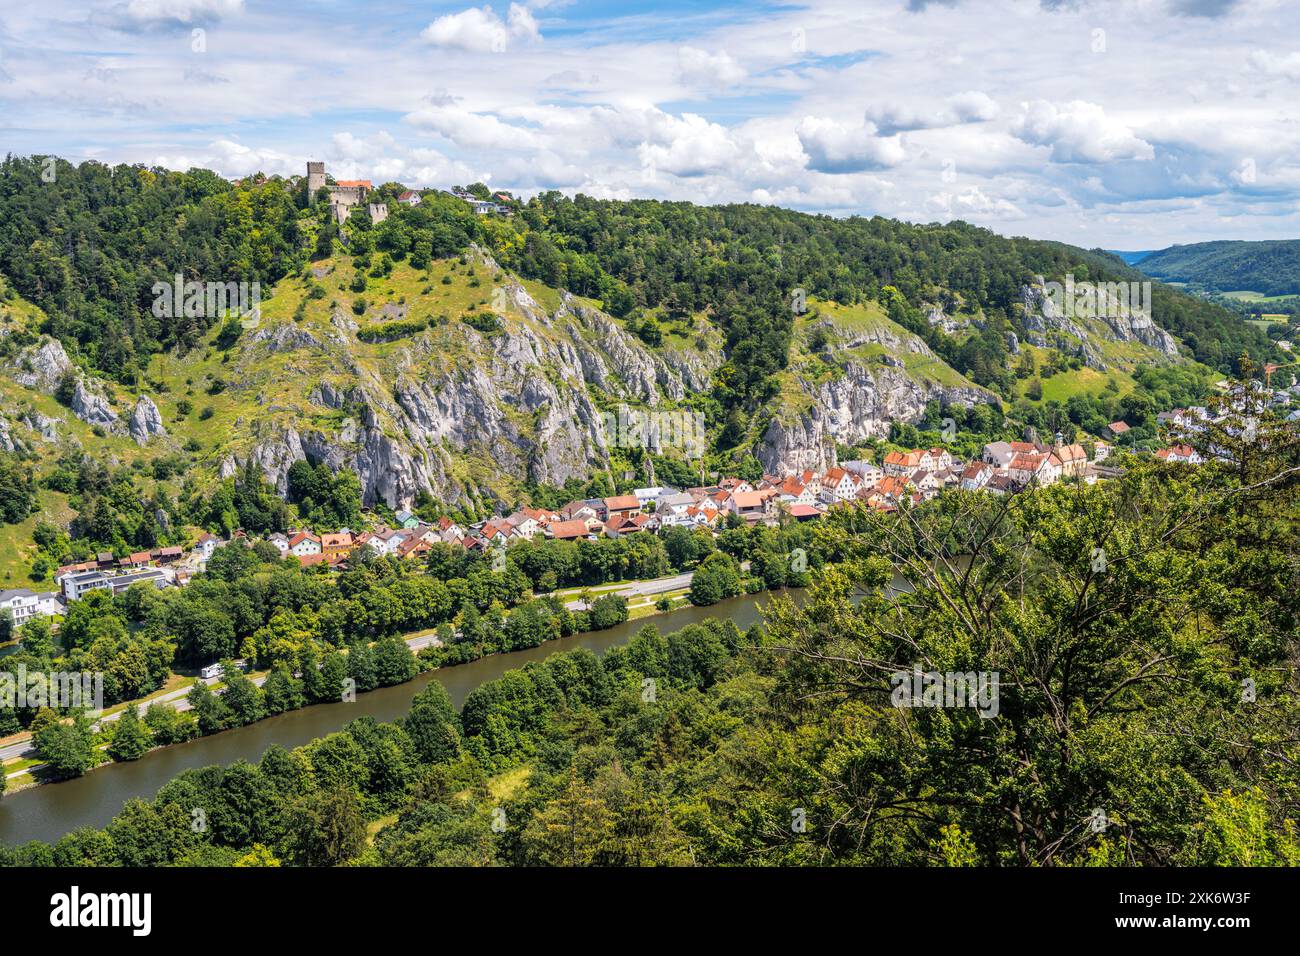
{"x":278,"y":616}
{"x":1141,"y":634}
{"x":1269,"y":267}
{"x":88,"y":247}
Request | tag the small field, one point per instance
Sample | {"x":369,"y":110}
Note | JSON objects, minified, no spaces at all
{"x":17,"y":549}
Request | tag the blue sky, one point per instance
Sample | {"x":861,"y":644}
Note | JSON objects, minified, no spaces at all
{"x":1121,"y":123}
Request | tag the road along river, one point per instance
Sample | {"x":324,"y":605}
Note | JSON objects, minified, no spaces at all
{"x":47,"y":812}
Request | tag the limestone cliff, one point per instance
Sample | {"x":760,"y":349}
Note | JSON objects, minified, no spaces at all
{"x":417,"y":412}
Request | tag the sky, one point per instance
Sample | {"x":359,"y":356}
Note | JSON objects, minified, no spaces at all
{"x":1125,"y":124}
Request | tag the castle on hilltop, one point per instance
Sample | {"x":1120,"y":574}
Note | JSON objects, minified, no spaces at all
{"x":344,"y":194}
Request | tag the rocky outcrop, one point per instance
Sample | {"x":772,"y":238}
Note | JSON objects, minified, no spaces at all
{"x":42,"y":366}
{"x":90,"y":405}
{"x":1136,"y":326}
{"x":145,"y":421}
{"x":518,"y":399}
{"x":284,"y":337}
{"x":43,"y":429}
{"x":937,"y":317}
{"x":1046,"y":326}
{"x":855,"y":407}
{"x":43,"y":425}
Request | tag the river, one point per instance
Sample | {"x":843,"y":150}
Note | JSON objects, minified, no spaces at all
{"x":49,"y":811}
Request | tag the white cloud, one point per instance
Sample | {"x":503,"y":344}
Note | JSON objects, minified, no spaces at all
{"x":589,"y":110}
{"x":1271,"y":64}
{"x":969,"y":107}
{"x":233,"y":159}
{"x":480,"y":30}
{"x":970,"y":204}
{"x":689,"y":146}
{"x":469,"y":129}
{"x":1079,"y":132}
{"x":972,"y":107}
{"x":834,"y":148}
{"x":522,"y":24}
{"x":697,"y":67}
{"x":146,"y":14}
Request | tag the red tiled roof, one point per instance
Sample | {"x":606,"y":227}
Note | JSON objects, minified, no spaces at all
{"x":576,"y":528}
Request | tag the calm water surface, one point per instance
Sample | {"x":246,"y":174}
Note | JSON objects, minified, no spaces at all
{"x":47,"y":812}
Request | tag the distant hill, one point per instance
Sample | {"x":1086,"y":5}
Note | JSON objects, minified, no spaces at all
{"x":1269,"y":267}
{"x":1131,"y":258}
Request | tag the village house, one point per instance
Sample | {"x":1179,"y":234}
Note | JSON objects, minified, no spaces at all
{"x":839,"y":485}
{"x":581,"y":509}
{"x":497,"y":529}
{"x":526,"y":523}
{"x":674,"y":504}
{"x":1041,"y":469}
{"x":794,"y":492}
{"x":626,"y":505}
{"x":976,"y":475}
{"x":573,"y":529}
{"x":77,"y":586}
{"x":804,"y":512}
{"x":900,"y":463}
{"x":448,"y":527}
{"x":1185,"y":454}
{"x":304,"y":543}
{"x":892,"y":488}
{"x":68,"y":569}
{"x":651,"y":496}
{"x":1073,"y":459}
{"x":926,"y":482}
{"x":868,"y":472}
{"x":936,"y":459}
{"x":734,"y":485}
{"x":813,"y":482}
{"x":998,"y":453}
{"x":206,"y":546}
{"x":340,"y":543}
{"x":703,"y":515}
{"x":413,"y":548}
{"x":625,"y":524}
{"x":24,"y":605}
{"x":750,"y":505}
{"x":1001,"y":484}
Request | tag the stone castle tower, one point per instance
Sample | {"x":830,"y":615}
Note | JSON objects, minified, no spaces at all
{"x":315,"y":177}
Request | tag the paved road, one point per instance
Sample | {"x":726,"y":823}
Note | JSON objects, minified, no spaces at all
{"x":179,"y":699}
{"x":643,"y":588}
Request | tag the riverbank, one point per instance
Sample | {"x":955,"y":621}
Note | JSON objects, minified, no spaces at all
{"x":47,"y":812}
{"x":19,"y":762}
